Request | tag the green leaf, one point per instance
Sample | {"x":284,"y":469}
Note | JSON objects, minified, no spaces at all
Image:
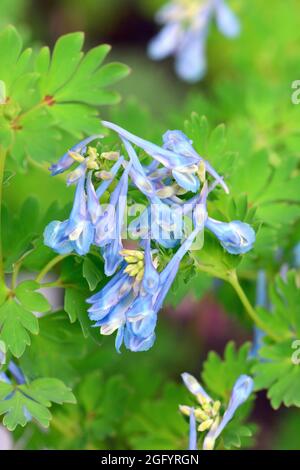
{"x":56,"y":340}
{"x":24,"y":402}
{"x":65,"y":59}
{"x":31,"y":300}
{"x":220,"y":375}
{"x":92,"y":272}
{"x":278,"y":374}
{"x":283,"y":322}
{"x":15,"y":323}
{"x":10,"y":48}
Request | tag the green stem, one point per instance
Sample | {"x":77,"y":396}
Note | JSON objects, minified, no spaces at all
{"x":3,"y":154}
{"x":233,"y":280}
{"x":49,"y":266}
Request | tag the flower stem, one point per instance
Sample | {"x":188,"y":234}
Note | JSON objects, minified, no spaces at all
{"x":233,"y":280}
{"x":49,"y":266}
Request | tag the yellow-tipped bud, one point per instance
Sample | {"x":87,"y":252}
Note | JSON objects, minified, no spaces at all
{"x":76,"y":156}
{"x":201,"y":399}
{"x":202,"y":171}
{"x":185,"y":410}
{"x":139,"y":255}
{"x":110,"y":155}
{"x":205,"y":425}
{"x":207,"y":407}
{"x":216,"y":407}
{"x":92,"y":153}
{"x":167,"y":191}
{"x":201,"y":415}
{"x":104,"y":175}
{"x":130,"y":259}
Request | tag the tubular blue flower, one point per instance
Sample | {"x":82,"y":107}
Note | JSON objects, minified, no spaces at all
{"x":151,"y":277}
{"x":193,"y":431}
{"x":240,"y":393}
{"x":132,"y":299}
{"x":261,"y":301}
{"x":185,"y":31}
{"x":111,"y":250}
{"x":168,"y":158}
{"x":208,"y":412}
{"x":177,"y":154}
{"x":77,"y":232}
{"x":66,"y":160}
{"x":194,"y":386}
{"x":178,"y":142}
{"x":297,"y":255}
{"x":236,"y":237}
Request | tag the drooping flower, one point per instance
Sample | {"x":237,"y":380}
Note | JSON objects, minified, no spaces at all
{"x":67,"y":160}
{"x":77,"y":232}
{"x":208,"y":412}
{"x":131,"y":301}
{"x":111,"y":249}
{"x":185,"y":31}
{"x":236,"y":237}
{"x":177,"y":155}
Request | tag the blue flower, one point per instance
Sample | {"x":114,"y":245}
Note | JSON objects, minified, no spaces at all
{"x":15,"y":372}
{"x":193,"y":431}
{"x":261,"y":301}
{"x":115,"y":222}
{"x":297,"y":256}
{"x":77,"y":232}
{"x":236,"y":237}
{"x":66,"y":160}
{"x":241,"y":391}
{"x":131,"y":301}
{"x":185,"y":31}
{"x":208,"y":411}
{"x":166,"y":157}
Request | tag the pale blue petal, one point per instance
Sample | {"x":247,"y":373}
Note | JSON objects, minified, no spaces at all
{"x":236,"y":237}
{"x":93,"y":204}
{"x":193,"y":431}
{"x":187,"y":181}
{"x":151,"y":277}
{"x":164,"y":156}
{"x":191,"y":62}
{"x":55,"y":237}
{"x":194,"y":386}
{"x":227,"y":21}
{"x":240,"y":393}
{"x":165,"y":42}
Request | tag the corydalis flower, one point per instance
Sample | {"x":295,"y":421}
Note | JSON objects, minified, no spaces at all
{"x":176,"y":155}
{"x":184,"y":33}
{"x":132,"y":299}
{"x":236,"y":237}
{"x":208,"y":414}
{"x":67,"y":160}
{"x":77,"y":232}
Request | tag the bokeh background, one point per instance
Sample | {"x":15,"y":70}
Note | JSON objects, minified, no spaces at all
{"x":247,"y":85}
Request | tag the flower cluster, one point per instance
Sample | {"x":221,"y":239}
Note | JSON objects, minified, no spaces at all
{"x":184,"y":34}
{"x":208,"y":412}
{"x":175,"y":184}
